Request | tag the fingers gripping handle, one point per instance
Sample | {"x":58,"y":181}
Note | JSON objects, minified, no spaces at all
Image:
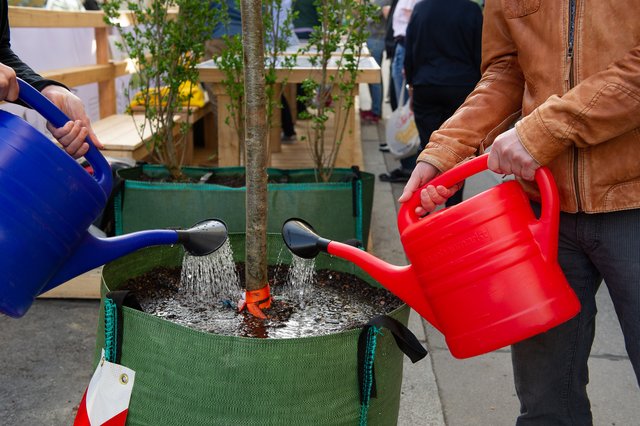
{"x":545,"y":229}
{"x":407,"y":214}
{"x":33,"y":98}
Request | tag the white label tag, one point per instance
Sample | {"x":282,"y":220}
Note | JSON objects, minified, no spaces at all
{"x":108,"y":395}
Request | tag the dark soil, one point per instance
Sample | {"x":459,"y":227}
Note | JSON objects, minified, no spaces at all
{"x":338,"y":302}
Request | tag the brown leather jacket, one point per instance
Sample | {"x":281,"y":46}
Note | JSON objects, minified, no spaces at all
{"x":572,"y":70}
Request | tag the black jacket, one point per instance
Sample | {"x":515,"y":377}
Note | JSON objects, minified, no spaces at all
{"x":443,"y":43}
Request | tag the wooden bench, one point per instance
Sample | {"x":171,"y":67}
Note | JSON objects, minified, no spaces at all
{"x":118,"y":132}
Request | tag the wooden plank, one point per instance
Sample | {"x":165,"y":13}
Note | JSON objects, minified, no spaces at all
{"x":121,"y":132}
{"x":32,"y":17}
{"x":85,"y":286}
{"x":106,"y":88}
{"x":77,"y":76}
{"x":369,"y":72}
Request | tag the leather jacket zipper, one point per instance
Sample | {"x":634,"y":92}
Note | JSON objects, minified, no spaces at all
{"x":571,"y":83}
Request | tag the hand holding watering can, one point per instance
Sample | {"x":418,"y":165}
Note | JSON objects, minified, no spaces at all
{"x":484,"y":272}
{"x":47,"y":203}
{"x":73,"y":133}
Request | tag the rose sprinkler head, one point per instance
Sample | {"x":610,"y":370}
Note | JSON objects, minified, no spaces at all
{"x":302,"y":240}
{"x":204,"y":237}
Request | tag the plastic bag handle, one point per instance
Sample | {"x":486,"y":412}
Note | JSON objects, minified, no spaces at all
{"x":545,"y":229}
{"x":36,"y":100}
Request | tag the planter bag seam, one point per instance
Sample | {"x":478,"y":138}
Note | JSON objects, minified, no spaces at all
{"x":117,"y":212}
{"x":357,"y":208}
{"x":113,"y":320}
{"x":366,"y":374}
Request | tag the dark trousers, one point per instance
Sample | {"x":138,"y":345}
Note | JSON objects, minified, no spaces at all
{"x":287,"y":121}
{"x":551,"y":369}
{"x":432,"y":106}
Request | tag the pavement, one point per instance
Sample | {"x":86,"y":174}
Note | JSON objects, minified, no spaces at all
{"x":46,"y":356}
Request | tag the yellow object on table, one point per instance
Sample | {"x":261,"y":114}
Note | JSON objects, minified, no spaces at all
{"x":192,"y":94}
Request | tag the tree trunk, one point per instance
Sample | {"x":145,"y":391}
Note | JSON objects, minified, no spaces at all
{"x":256,"y":145}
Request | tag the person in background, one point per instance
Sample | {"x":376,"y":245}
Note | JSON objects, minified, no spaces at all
{"x":400,"y":20}
{"x":232,"y":26}
{"x":282,"y":20}
{"x":571,"y":70}
{"x":375,"y":44}
{"x":442,"y":62}
{"x":305,"y":20}
{"x":390,"y":48}
{"x":73,"y":134}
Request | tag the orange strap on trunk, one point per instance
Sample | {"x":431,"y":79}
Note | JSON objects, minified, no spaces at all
{"x":255,"y":301}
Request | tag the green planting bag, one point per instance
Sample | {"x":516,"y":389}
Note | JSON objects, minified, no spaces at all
{"x":339,"y":210}
{"x":188,"y":377}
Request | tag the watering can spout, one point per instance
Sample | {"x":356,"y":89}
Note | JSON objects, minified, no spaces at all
{"x":202,"y":239}
{"x":402,"y":281}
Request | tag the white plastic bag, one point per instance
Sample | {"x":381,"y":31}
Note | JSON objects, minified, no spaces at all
{"x":402,"y":134}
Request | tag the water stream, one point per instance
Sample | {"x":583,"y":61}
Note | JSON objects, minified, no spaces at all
{"x":210,"y":278}
{"x":300,"y":280}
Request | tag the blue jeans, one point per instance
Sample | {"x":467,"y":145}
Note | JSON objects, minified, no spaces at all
{"x":550,"y":369}
{"x":397,"y":67}
{"x":376,"y":47}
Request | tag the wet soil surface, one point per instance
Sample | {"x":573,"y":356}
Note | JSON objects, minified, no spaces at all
{"x":336,"y":302}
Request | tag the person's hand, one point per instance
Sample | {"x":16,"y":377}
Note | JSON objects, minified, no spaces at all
{"x":430,"y":196}
{"x":508,"y":156}
{"x":9,"y":88}
{"x":73,"y":134}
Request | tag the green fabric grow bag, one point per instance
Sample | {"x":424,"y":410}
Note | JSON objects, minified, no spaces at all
{"x":187,"y":377}
{"x":338,"y":210}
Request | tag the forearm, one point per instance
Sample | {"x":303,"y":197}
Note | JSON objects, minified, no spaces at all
{"x":23,"y":71}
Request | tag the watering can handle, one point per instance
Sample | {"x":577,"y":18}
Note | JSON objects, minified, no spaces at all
{"x":101,"y":169}
{"x":546,"y":229}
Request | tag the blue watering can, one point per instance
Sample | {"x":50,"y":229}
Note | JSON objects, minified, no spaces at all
{"x":47,"y":204}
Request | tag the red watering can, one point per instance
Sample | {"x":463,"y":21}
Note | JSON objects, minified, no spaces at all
{"x":47,"y":204}
{"x":484,"y":272}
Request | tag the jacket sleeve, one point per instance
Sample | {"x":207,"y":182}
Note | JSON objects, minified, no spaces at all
{"x":601,"y":107}
{"x":492,"y":106}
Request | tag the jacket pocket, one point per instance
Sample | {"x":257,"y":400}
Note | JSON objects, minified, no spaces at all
{"x":519,"y":8}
